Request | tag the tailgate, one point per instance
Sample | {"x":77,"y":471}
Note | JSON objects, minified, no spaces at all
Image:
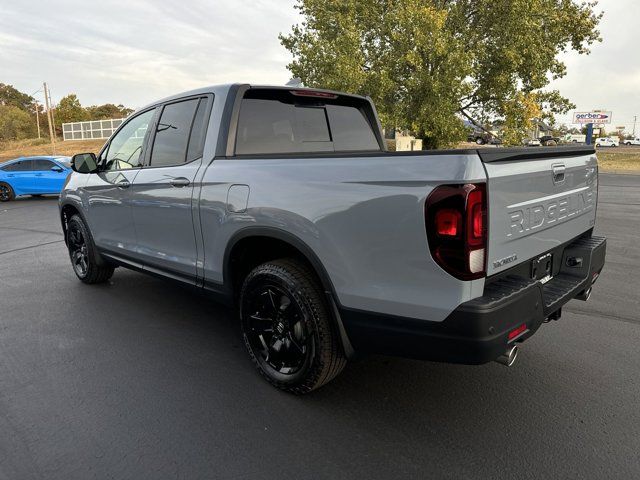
{"x":538,"y":198}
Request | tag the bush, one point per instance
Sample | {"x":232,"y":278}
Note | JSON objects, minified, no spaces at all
{"x":15,"y":124}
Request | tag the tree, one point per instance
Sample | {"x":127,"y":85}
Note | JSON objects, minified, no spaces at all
{"x":10,"y":96}
{"x":15,"y":123}
{"x":429,"y":63}
{"x":70,"y":110}
{"x":108,"y":110}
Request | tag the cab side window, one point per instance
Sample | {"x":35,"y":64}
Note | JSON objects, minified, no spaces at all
{"x":126,"y":147}
{"x":172,"y":133}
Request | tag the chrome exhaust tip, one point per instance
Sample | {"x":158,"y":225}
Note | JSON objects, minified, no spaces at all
{"x":508,"y":358}
{"x":584,"y":295}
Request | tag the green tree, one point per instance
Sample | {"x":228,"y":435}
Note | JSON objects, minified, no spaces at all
{"x":10,"y":96}
{"x":108,"y":110}
{"x":427,"y":63}
{"x":15,"y":123}
{"x":70,"y":110}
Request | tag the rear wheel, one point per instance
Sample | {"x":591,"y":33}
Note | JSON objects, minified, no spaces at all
{"x":287,"y":327}
{"x":6,"y":192}
{"x":85,"y":260}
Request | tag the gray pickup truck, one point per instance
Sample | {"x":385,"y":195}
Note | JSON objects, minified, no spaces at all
{"x":284,"y":203}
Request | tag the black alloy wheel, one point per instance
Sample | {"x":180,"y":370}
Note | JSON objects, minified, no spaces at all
{"x":6,"y":192}
{"x":78,"y":250}
{"x":86,"y":262}
{"x":287,"y":329}
{"x":277,"y":330}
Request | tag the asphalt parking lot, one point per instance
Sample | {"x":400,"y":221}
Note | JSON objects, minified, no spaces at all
{"x":143,"y":379}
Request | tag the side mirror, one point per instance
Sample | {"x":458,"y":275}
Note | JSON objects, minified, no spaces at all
{"x":57,"y":169}
{"x":84,"y":163}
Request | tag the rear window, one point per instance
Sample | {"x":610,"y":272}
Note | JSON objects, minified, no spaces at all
{"x":272,"y":122}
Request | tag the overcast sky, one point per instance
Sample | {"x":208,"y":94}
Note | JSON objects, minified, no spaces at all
{"x":136,"y":51}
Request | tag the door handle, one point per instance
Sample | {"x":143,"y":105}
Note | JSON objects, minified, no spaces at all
{"x":180,"y":182}
{"x":124,"y":184}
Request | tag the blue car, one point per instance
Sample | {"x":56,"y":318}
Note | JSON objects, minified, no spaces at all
{"x":33,"y":176}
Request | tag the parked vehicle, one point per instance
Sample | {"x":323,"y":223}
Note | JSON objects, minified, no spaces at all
{"x":632,"y":141}
{"x":607,"y":142}
{"x":532,"y":142}
{"x":33,"y":176}
{"x":575,"y":138}
{"x":549,"y":141}
{"x":284,"y":203}
{"x":484,"y":138}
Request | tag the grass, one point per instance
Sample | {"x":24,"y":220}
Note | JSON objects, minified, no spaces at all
{"x":622,"y":159}
{"x":35,"y":146}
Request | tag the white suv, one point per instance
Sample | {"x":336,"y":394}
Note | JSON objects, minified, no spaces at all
{"x":607,"y":142}
{"x":632,"y":141}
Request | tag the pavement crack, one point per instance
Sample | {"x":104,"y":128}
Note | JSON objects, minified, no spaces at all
{"x":619,"y":318}
{"x":32,"y":230}
{"x":31,"y":246}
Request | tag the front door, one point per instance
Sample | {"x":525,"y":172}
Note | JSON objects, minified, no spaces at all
{"x":49,"y":177}
{"x":108,"y":191}
{"x":161,"y":194}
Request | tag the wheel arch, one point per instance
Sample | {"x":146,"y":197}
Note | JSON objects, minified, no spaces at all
{"x":68,"y":210}
{"x":240,"y":259}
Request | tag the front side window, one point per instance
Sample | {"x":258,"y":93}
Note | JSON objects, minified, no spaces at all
{"x":125,"y":149}
{"x":43,"y":165}
{"x":172,"y":133}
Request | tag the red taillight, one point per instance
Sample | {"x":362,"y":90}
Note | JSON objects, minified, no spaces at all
{"x":448,"y":222}
{"x":517,"y":331}
{"x":456,"y":219}
{"x":475,"y":206}
{"x":313,"y":93}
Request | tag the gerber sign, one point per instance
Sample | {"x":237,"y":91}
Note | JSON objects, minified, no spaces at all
{"x":592,"y":117}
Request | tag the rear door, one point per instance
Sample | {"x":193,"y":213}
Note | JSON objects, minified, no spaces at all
{"x":20,"y":176}
{"x":162,"y":192}
{"x":537,"y":201}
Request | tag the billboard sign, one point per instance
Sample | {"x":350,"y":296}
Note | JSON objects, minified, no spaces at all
{"x":597,"y":117}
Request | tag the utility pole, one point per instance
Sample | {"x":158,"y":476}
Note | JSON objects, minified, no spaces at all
{"x":635,"y":117}
{"x":53,"y":118}
{"x":37,"y":118}
{"x":49,"y":117}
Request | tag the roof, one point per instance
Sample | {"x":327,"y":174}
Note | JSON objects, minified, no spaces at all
{"x":224,"y":88}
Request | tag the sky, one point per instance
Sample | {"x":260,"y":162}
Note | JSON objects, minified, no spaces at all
{"x":136,"y":51}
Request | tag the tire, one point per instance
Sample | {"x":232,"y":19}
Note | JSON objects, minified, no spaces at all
{"x":6,"y":192}
{"x":87,"y":264}
{"x":287,"y":327}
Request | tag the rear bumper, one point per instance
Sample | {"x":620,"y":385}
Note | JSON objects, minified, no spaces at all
{"x":478,"y":331}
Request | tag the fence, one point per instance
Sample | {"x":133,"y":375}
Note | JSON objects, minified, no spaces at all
{"x":94,"y":129}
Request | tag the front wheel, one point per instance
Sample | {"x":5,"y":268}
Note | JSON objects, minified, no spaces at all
{"x":287,"y":327}
{"x":6,"y":192}
{"x":86,"y":262}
